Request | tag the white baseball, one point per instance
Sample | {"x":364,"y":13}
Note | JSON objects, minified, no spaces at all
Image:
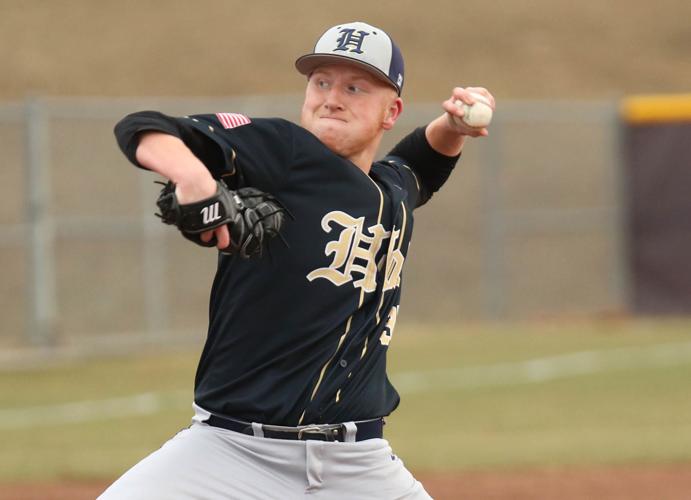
{"x":476,"y":115}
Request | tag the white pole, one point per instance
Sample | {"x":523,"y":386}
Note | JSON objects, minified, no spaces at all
{"x":155,"y":258}
{"x":494,"y":278}
{"x":617,"y":187}
{"x":40,"y":229}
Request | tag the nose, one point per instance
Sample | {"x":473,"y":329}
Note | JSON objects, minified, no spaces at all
{"x":333,"y":101}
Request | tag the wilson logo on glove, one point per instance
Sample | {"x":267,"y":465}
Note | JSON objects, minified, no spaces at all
{"x":253,"y":217}
{"x":210,"y":214}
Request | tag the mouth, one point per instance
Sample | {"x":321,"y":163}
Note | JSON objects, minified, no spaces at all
{"x":335,"y":118}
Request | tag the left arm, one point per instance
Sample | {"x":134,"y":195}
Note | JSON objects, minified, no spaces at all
{"x":432,"y":152}
{"x":446,"y":135}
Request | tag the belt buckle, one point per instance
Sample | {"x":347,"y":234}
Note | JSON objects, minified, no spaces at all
{"x":328,"y":431}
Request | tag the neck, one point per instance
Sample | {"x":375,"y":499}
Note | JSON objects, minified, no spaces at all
{"x":363,"y":162}
{"x":363,"y":159}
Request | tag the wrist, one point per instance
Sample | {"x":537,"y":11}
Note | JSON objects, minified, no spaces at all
{"x":193,"y":188}
{"x":443,"y":137}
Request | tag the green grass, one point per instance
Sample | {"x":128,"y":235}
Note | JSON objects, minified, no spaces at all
{"x":638,"y":412}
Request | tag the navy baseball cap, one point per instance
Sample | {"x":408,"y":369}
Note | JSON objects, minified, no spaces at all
{"x":359,"y":43}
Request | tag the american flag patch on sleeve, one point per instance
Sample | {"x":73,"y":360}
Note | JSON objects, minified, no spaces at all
{"x":232,"y":120}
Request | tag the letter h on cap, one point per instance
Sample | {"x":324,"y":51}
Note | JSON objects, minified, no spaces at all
{"x":350,"y":40}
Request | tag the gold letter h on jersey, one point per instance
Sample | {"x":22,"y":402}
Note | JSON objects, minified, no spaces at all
{"x":353,"y":251}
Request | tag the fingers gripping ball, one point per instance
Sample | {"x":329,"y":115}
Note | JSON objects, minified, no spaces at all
{"x":253,"y":217}
{"x":477,"y":115}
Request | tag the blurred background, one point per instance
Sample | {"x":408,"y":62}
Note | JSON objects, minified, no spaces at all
{"x":567,"y":231}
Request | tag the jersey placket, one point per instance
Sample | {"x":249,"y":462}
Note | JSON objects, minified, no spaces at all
{"x":348,"y":324}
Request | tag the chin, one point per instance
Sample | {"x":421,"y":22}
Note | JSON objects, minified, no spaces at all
{"x":333,"y":145}
{"x":331,"y":138}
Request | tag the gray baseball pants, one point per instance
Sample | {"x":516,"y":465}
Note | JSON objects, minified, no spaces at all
{"x":204,"y":462}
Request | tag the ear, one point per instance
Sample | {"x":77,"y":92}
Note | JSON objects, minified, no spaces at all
{"x":393,"y":111}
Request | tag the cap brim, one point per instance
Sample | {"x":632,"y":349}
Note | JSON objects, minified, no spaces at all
{"x":309,"y":62}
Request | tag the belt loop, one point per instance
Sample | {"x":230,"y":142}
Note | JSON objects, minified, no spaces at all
{"x":200,"y":414}
{"x":350,"y":431}
{"x":257,"y":430}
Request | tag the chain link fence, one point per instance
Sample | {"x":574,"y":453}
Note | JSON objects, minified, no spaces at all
{"x":530,"y":224}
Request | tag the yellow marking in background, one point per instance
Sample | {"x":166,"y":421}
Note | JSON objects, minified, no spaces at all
{"x":642,"y":109}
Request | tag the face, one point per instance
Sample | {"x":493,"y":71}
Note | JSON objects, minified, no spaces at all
{"x":348,"y":109}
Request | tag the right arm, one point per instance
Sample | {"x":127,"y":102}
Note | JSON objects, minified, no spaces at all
{"x":192,"y":151}
{"x":168,"y":156}
{"x":161,"y":150}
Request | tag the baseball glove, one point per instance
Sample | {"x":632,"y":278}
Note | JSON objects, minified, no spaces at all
{"x":253,"y":217}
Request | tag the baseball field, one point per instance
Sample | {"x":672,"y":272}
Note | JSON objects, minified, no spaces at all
{"x":566,"y":409}
{"x":550,"y":409}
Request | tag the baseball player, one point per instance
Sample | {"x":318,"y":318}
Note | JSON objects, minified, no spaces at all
{"x":291,"y":388}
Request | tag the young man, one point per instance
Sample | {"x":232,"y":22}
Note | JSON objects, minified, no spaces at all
{"x":291,"y":388}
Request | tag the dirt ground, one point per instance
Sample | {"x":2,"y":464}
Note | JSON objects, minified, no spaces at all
{"x":669,"y":482}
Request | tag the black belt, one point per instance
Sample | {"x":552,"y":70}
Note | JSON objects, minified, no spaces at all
{"x":366,"y":429}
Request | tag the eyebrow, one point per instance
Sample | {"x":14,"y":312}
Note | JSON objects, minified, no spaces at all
{"x":363,"y":78}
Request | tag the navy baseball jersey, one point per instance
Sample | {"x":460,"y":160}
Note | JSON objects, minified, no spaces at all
{"x":301,"y":334}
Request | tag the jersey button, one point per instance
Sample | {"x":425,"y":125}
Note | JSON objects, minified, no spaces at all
{"x":343,"y":363}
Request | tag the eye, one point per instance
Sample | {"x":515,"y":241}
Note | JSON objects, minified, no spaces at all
{"x":322,"y":84}
{"x":355,"y":89}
